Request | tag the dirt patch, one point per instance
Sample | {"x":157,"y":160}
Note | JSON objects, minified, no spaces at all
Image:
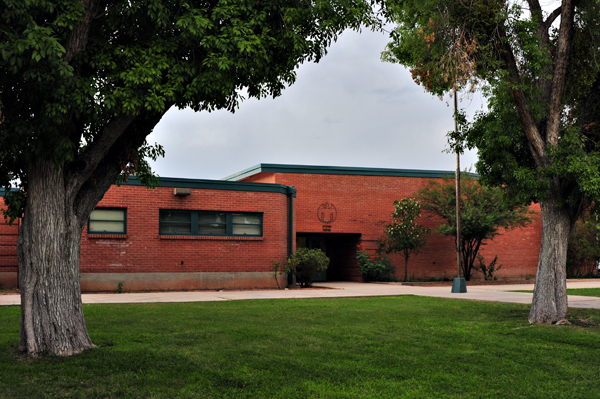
{"x":583,"y":323}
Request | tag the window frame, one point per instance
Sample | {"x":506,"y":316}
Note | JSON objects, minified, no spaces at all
{"x":108,"y":208}
{"x":194,"y":223}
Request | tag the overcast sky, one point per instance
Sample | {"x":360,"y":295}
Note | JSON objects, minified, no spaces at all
{"x":350,"y":109}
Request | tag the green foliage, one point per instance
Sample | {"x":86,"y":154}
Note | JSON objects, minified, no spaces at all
{"x":489,"y":270}
{"x":504,"y":158}
{"x":404,"y":235}
{"x":306,"y":264}
{"x":510,"y":50}
{"x":444,"y":43}
{"x":374,"y":267}
{"x":583,"y":252}
{"x":69,"y":75}
{"x":15,"y":203}
{"x":484,"y":211}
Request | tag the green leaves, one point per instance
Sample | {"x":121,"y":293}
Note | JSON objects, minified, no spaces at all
{"x":15,"y":202}
{"x":141,"y":57}
{"x":483,"y":211}
{"x":404,"y":234}
{"x":307,"y":264}
{"x":513,"y":54}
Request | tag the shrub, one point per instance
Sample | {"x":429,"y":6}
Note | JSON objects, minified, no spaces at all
{"x":375,"y":267}
{"x":489,"y":270}
{"x":583,"y":252}
{"x":306,"y":264}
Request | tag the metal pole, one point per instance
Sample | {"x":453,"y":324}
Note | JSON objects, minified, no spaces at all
{"x":459,"y":285}
{"x":457,"y":180}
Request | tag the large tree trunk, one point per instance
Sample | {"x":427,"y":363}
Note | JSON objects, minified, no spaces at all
{"x":48,"y":250}
{"x":549,"y":303}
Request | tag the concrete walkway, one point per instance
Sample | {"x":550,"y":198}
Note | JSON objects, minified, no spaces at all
{"x":493,"y":293}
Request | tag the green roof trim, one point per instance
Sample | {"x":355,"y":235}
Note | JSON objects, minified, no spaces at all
{"x":337,"y":170}
{"x":3,"y":191}
{"x":219,"y":185}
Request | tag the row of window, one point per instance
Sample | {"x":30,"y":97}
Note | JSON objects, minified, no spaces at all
{"x":178,"y":222}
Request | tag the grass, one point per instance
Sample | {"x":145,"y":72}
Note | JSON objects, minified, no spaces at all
{"x":576,"y":291}
{"x":396,"y":347}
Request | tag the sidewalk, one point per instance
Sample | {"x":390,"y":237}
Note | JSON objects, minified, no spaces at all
{"x":492,"y":293}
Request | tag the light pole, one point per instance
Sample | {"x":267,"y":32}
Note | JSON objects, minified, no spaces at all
{"x":459,"y":284}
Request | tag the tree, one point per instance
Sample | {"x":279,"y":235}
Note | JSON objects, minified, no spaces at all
{"x":484,"y":210}
{"x":83,"y":83}
{"x":404,"y":234}
{"x":539,"y":136}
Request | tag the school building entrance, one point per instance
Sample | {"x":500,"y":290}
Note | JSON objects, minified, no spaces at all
{"x":340,"y":248}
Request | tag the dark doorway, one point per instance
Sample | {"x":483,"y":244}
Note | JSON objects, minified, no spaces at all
{"x":341,"y":251}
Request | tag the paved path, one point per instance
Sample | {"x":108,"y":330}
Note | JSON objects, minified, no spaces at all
{"x":493,"y":293}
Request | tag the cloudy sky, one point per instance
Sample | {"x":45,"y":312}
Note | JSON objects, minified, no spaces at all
{"x":350,"y":109}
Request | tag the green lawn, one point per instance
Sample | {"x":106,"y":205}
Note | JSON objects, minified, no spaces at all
{"x":577,"y":291}
{"x":397,"y":347}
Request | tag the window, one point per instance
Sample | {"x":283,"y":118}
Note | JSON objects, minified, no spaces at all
{"x":202,"y":223}
{"x":108,"y":221}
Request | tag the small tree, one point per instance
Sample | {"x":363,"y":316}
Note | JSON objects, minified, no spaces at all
{"x":404,"y":235}
{"x":307,"y":264}
{"x":484,"y":210}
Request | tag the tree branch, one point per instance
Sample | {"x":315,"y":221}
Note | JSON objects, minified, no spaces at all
{"x":536,"y":144}
{"x":80,"y":170}
{"x":109,"y":167}
{"x":78,"y":37}
{"x":560,"y":71}
{"x":544,"y":35}
{"x":550,"y":20}
{"x":536,"y":10}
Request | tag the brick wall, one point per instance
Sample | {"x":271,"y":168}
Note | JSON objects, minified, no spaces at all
{"x":364,"y":205}
{"x":143,"y":250}
{"x":8,"y":246}
{"x":145,"y":260}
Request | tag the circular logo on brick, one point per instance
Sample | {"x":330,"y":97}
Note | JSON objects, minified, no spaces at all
{"x":327,"y":213}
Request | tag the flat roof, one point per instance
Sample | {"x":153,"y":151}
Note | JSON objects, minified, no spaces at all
{"x":208,"y":185}
{"x":336,"y":170}
{"x":218,"y":185}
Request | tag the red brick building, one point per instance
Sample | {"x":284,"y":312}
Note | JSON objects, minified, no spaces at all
{"x":203,"y":234}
